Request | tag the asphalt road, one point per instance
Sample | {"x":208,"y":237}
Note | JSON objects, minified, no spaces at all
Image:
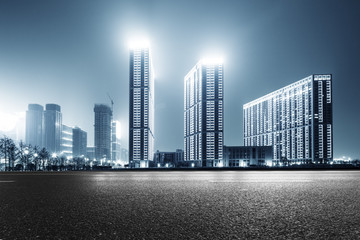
{"x":180,"y":205}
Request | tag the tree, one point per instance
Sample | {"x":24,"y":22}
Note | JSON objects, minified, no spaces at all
{"x":43,"y":156}
{"x":8,"y":150}
{"x":23,"y":153}
{"x":35,"y":156}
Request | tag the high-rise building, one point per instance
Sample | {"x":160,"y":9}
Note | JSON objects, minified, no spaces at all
{"x":79,"y":137}
{"x":296,"y":120}
{"x":103,"y":118}
{"x":52,"y":127}
{"x":35,"y":125}
{"x":203,"y":113}
{"x":141,"y":109}
{"x":67,"y":140}
{"x":115,"y":141}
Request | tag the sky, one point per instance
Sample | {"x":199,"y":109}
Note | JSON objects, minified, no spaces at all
{"x":74,"y":53}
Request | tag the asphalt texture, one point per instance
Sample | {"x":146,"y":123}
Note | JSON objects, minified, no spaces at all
{"x":180,"y":205}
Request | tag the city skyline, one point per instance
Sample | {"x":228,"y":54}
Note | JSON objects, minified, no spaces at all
{"x":280,"y":60}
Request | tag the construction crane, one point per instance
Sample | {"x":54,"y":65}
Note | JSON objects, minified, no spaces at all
{"x":112,"y":102}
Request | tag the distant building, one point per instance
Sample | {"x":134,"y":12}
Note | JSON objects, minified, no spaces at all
{"x":179,"y":156}
{"x":245,"y":156}
{"x":52,"y":127}
{"x":203,"y":113}
{"x":164,"y":159}
{"x":124,"y":156}
{"x":296,"y":120}
{"x":115,"y":141}
{"x":34,"y":125}
{"x":90,"y":153}
{"x":79,"y":142}
{"x":141,"y":109}
{"x":66,"y":140}
{"x":103,"y":118}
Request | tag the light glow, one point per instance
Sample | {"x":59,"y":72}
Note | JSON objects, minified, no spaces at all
{"x":8,"y":122}
{"x":212,"y":61}
{"x":138,"y":44}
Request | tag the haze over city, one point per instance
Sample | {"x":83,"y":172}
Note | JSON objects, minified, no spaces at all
{"x":75,"y":53}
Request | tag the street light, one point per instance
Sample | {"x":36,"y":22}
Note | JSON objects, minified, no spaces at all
{"x":26,"y":152}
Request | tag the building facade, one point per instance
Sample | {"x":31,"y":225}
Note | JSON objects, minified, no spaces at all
{"x":296,"y":120}
{"x":164,"y":159}
{"x":115,"y":141}
{"x":103,"y":119}
{"x":34,"y":134}
{"x":204,"y":113}
{"x":79,"y":137}
{"x":246,"y":156}
{"x":141,"y":109}
{"x":52,"y":128}
{"x":67,"y":140}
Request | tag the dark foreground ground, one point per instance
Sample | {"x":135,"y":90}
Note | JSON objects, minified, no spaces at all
{"x":185,"y":205}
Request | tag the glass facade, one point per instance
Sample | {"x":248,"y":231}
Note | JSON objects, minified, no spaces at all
{"x":35,"y":125}
{"x":53,"y":128}
{"x":203,"y":114}
{"x":296,"y":120}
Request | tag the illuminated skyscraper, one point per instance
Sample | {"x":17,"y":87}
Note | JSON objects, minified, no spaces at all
{"x":296,"y":120}
{"x":141,"y":109}
{"x":203,"y":113}
{"x":35,"y":125}
{"x":103,"y":118}
{"x":53,"y":128}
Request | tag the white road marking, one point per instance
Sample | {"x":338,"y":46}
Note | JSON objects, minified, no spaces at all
{"x":6,"y":181}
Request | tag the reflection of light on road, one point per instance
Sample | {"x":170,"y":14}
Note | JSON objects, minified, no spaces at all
{"x":6,"y":181}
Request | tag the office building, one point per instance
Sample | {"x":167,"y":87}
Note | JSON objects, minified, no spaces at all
{"x":296,"y":120}
{"x":141,"y":109}
{"x":246,"y":156}
{"x":103,"y":118}
{"x":52,"y":128}
{"x":34,"y":125}
{"x":79,"y":137}
{"x":66,"y":140}
{"x":203,"y":113}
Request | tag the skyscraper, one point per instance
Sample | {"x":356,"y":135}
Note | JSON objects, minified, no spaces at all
{"x":296,"y":120}
{"x":103,"y":118}
{"x":141,"y":109}
{"x":53,"y":128}
{"x":35,"y":125}
{"x":203,"y":113}
{"x":79,"y":142}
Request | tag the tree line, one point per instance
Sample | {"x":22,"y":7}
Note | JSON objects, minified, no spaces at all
{"x":25,"y":157}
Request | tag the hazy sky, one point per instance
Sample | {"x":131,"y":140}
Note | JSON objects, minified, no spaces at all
{"x":75,"y":52}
